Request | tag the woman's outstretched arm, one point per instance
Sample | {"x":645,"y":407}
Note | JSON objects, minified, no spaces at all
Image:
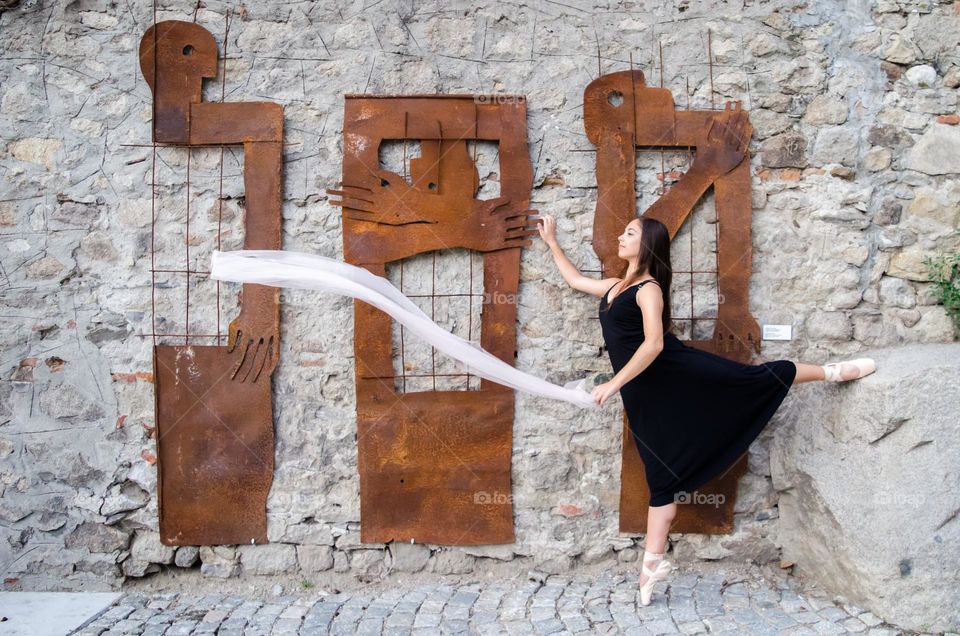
{"x":548,"y":231}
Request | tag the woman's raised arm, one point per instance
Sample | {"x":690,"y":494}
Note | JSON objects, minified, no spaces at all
{"x":548,"y":232}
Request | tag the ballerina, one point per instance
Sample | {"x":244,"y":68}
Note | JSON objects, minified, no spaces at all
{"x":691,"y":413}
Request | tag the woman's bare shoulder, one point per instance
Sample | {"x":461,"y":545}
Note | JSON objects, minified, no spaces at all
{"x":644,"y":295}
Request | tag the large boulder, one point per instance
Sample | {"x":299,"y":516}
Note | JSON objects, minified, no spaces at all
{"x":867,"y":476}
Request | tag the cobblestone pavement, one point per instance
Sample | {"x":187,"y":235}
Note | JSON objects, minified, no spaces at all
{"x":690,"y":603}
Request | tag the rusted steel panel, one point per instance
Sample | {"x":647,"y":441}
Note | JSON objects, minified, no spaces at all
{"x":622,"y":114}
{"x":235,"y":123}
{"x":214,"y":457}
{"x":434,"y":465}
{"x":213,"y":404}
{"x":437,"y":469}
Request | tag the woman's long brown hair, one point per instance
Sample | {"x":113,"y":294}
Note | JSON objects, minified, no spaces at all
{"x":655,"y":259}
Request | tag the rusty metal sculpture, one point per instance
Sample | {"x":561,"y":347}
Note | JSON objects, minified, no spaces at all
{"x":214,"y":414}
{"x":434,"y":465}
{"x":622,"y":114}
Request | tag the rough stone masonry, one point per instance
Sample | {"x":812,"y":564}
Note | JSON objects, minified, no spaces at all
{"x":855,"y":157}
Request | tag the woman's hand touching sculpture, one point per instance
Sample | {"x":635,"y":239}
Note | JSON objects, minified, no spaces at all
{"x":548,"y":229}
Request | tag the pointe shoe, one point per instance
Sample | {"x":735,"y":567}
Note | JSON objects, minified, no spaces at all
{"x":833,"y":371}
{"x":657,"y":574}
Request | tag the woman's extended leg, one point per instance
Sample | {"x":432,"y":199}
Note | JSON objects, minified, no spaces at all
{"x":659,"y":520}
{"x":812,"y":372}
{"x":808,"y":373}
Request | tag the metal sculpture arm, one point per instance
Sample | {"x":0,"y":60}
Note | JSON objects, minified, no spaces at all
{"x":175,"y":57}
{"x":622,"y":114}
{"x":726,"y":137}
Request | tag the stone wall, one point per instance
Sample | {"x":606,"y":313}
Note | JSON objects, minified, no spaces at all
{"x":855,"y":157}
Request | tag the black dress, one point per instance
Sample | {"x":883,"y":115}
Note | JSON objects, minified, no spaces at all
{"x":692,"y":413}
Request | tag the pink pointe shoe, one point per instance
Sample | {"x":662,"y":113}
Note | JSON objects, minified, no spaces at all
{"x":844,"y":371}
{"x":657,"y":574}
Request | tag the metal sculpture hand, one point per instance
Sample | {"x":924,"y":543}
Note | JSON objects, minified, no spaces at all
{"x":393,"y":202}
{"x":494,"y":225}
{"x":727,"y":136}
{"x":254,"y":339}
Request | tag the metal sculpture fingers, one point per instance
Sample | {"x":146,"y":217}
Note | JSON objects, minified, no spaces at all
{"x":355,"y":197}
{"x":725,"y":140}
{"x":247,"y":355}
{"x":386,"y":199}
{"x":736,"y":337}
{"x":501,"y":229}
{"x":522,"y":228}
{"x":253,"y":354}
{"x":233,"y":336}
{"x":735,"y":130}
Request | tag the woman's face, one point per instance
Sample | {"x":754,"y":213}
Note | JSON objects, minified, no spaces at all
{"x":629,"y":241}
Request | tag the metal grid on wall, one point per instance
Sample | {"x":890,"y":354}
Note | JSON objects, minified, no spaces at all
{"x":177,"y":270}
{"x":413,"y":372}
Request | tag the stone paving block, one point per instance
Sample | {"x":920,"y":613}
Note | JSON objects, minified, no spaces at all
{"x":519,"y":628}
{"x":483,"y":617}
{"x":488,"y":629}
{"x":691,"y":627}
{"x":142,"y":613}
{"x":684,"y":615}
{"x":870,"y":619}
{"x":598,"y":613}
{"x":688,"y":581}
{"x":456,"y":612}
{"x":625,"y":619}
{"x":576,"y":623}
{"x":466,"y":598}
{"x":513,"y":612}
{"x":661,"y":626}
{"x":427,"y":619}
{"x":400,"y":618}
{"x":720,"y":623}
{"x":542,"y":613}
{"x":376,"y":611}
{"x":286,"y":626}
{"x":548,"y":626}
{"x":453,"y":626}
{"x":854,"y":625}
{"x":826,"y":627}
{"x":181,"y":628}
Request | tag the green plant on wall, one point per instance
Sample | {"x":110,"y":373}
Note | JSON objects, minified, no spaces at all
{"x":945,"y":275}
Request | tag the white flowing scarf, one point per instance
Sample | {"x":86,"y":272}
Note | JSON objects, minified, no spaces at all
{"x":280,"y":268}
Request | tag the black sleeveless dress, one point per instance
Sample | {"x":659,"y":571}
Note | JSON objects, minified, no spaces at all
{"x":692,"y":413}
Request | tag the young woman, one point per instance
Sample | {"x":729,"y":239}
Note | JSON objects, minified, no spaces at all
{"x":691,"y":413}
